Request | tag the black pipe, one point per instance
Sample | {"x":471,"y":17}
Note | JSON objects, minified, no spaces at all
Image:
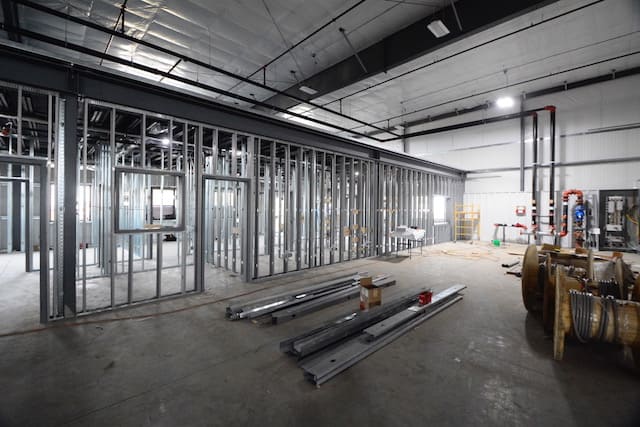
{"x":522,"y":121}
{"x":534,"y":176}
{"x":429,"y":119}
{"x":470,"y":124}
{"x":612,"y":75}
{"x":552,"y":169}
{"x":610,"y":160}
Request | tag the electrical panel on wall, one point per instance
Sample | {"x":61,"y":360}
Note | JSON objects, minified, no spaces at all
{"x":619,"y":220}
{"x":591,"y":224}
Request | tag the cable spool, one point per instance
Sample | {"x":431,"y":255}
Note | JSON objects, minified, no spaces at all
{"x":600,"y":276}
{"x":581,"y":303}
{"x":531,"y":289}
{"x":593,"y":318}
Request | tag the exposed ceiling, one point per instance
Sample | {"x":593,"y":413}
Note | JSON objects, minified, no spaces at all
{"x":265,"y":40}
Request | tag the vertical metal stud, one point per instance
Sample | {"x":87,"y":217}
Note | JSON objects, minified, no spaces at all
{"x":359,"y":206}
{"x":159,"y":265}
{"x":112,"y":213}
{"x":313,"y":209}
{"x":351,"y":208}
{"x":343,"y":210}
{"x":199,"y":253}
{"x":272,"y":211}
{"x":256,"y":209}
{"x":85,"y":137}
{"x":300,"y":213}
{"x":218,"y":212}
{"x":334,"y":204}
{"x":322,"y":206}
{"x":226,"y":217}
{"x":44,"y":241}
{"x":130,"y":271}
{"x":287,"y":208}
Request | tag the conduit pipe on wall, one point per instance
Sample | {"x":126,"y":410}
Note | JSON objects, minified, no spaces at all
{"x":578,"y":222}
{"x":552,"y":171}
{"x":534,"y":176}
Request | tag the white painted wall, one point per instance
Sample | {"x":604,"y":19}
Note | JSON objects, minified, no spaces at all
{"x":583,"y":117}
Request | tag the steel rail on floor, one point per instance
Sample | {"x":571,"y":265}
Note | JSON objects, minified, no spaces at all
{"x":332,"y":298}
{"x":344,"y":326}
{"x":327,"y":364}
{"x":266,"y":305}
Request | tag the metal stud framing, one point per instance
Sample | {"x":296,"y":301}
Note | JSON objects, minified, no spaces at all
{"x":250,"y":205}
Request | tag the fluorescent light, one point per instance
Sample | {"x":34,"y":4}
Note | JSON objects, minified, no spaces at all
{"x":308,"y":90}
{"x":165,"y":141}
{"x":438,"y":28}
{"x":505,"y":102}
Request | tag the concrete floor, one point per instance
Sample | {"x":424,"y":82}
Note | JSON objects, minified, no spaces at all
{"x":483,"y":361}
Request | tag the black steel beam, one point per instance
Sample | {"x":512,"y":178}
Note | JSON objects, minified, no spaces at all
{"x":10,"y":12}
{"x":29,"y":68}
{"x":409,"y":43}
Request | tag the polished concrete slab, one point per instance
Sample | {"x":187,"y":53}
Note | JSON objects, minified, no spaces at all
{"x":483,"y":361}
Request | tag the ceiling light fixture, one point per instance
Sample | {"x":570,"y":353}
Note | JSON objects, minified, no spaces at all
{"x":308,"y":90}
{"x":438,"y":28}
{"x":165,"y":141}
{"x":505,"y":102}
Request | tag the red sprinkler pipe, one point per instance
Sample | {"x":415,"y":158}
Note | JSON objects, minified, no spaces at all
{"x":565,"y":207}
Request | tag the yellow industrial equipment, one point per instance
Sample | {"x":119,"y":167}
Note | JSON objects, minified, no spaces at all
{"x":466,"y":222}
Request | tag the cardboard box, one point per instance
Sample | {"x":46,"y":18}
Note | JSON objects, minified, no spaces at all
{"x":370,"y":295}
{"x":366,"y":282}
